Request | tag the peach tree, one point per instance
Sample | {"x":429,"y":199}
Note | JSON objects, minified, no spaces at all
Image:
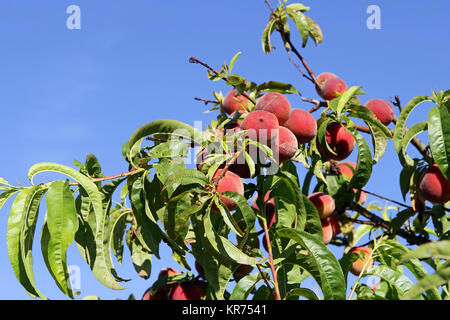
{"x":207,"y":210}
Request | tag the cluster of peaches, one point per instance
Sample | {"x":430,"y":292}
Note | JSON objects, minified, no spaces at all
{"x":273,"y":116}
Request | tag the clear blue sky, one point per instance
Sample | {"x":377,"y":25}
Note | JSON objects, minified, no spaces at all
{"x":66,"y":93}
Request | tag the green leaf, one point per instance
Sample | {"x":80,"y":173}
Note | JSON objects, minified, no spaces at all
{"x":369,"y":117}
{"x":170,"y":149}
{"x":270,"y":28}
{"x":302,"y":292}
{"x":116,"y":230}
{"x":275,"y":86}
{"x":301,"y":22}
{"x":100,"y":269}
{"x":433,"y":281}
{"x":245,"y":286}
{"x":439,"y":138}
{"x":27,"y":234}
{"x":379,"y":142}
{"x":223,"y":249}
{"x":364,"y":163}
{"x":401,"y":121}
{"x":410,"y":134}
{"x":16,"y":224}
{"x":4,"y":196}
{"x":62,"y":223}
{"x":438,"y":250}
{"x":166,"y":128}
{"x":401,"y":283}
{"x":332,"y":279}
{"x":233,"y":61}
{"x":346,"y":97}
{"x":142,"y":259}
{"x":314,"y":31}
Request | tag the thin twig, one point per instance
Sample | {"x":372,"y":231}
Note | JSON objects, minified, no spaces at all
{"x":217,"y":73}
{"x":206,"y":101}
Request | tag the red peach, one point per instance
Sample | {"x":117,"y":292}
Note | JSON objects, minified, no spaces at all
{"x":347,"y":169}
{"x":230,"y":103}
{"x":302,"y":124}
{"x":358,"y":265}
{"x":229,"y":182}
{"x":324,"y":204}
{"x":327,"y":230}
{"x":332,"y":88}
{"x":263,"y":126}
{"x":334,"y":225}
{"x":188,"y":291}
{"x":434,"y":186}
{"x":382,"y":110}
{"x":340,"y":141}
{"x":287,"y":144}
{"x":277,"y":104}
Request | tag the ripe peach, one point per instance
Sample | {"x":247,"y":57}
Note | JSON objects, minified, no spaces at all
{"x":334,"y":225}
{"x":302,"y":124}
{"x":340,"y":141}
{"x":327,"y":230}
{"x":230,"y":182}
{"x":188,"y":291}
{"x":324,"y":204}
{"x":287,"y":144}
{"x":332,"y":88}
{"x":262,"y":125}
{"x":270,"y":208}
{"x":347,"y":169}
{"x":277,"y":104}
{"x":230,"y":103}
{"x":382,"y":110}
{"x":358,"y":265}
{"x":434,"y":186}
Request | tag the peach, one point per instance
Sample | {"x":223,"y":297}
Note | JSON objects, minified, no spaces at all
{"x":382,"y":110}
{"x":324,"y":204}
{"x":302,"y":124}
{"x":327,"y":230}
{"x":263,"y":126}
{"x":321,"y":78}
{"x":287,"y":144}
{"x":340,"y":141}
{"x":332,"y":88}
{"x":270,"y":208}
{"x":433,"y":186}
{"x":188,"y":291}
{"x":231,"y":105}
{"x":347,"y":169}
{"x":277,"y":104}
{"x":229,"y":182}
{"x":357,"y":266}
{"x":334,"y":225}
